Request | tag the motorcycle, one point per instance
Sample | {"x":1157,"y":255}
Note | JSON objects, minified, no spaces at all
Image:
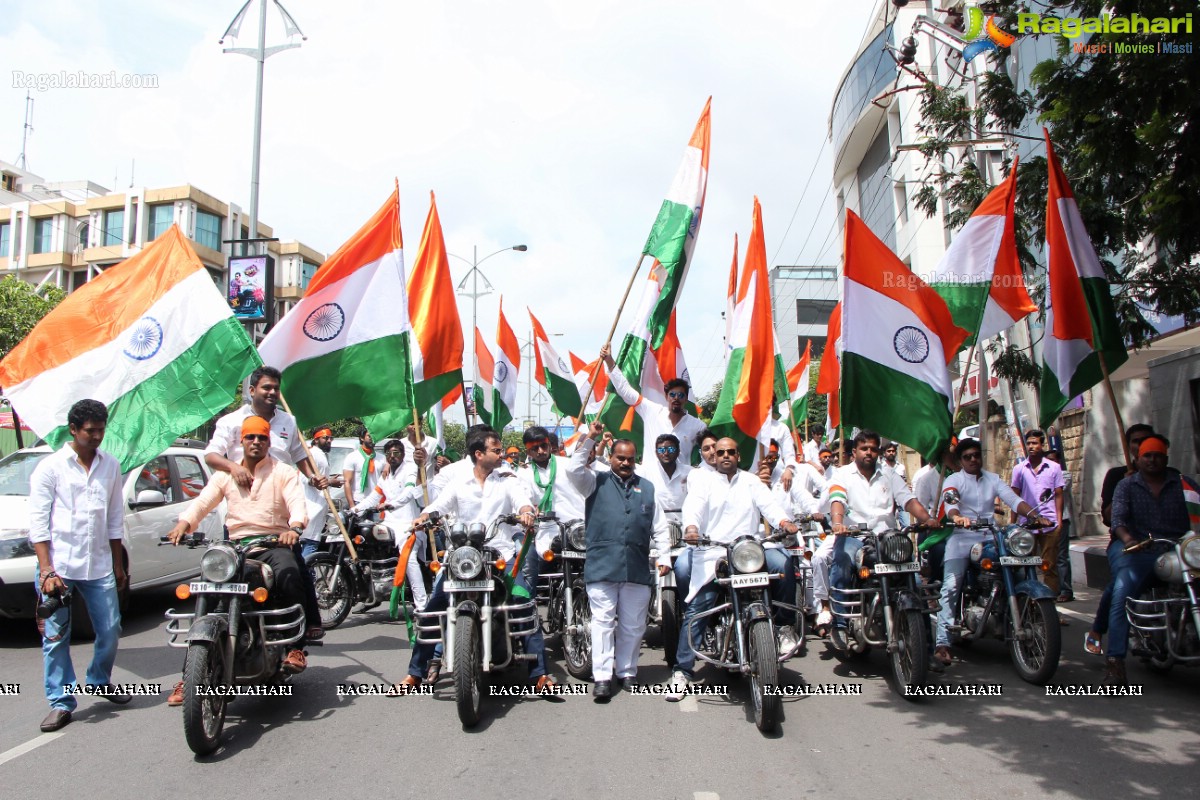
{"x":801,"y":547}
{"x":1164,"y":621}
{"x":664,"y":599}
{"x":238,"y":634}
{"x":1003,"y":599}
{"x":742,"y":640}
{"x":342,"y":581}
{"x":888,"y":607}
{"x":568,"y":612}
{"x":483,"y":627}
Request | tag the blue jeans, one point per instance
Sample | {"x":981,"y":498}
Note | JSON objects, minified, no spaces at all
{"x":953,"y":572}
{"x":1130,"y":574}
{"x":842,"y":572}
{"x":439,"y":601}
{"x":100,"y":597}
{"x":683,"y":573}
{"x":308,"y":547}
{"x":783,"y":591}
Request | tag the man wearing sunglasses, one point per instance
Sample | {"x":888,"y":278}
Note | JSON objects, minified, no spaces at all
{"x":968,"y":494}
{"x":657,"y":418}
{"x":668,"y":476}
{"x":552,"y":488}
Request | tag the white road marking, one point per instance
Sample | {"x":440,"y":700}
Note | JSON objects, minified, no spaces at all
{"x":32,"y":744}
{"x":1076,"y":614}
{"x":705,"y":796}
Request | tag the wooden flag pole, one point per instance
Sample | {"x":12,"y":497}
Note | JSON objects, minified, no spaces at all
{"x":1112,"y":397}
{"x":417,"y":438}
{"x":608,"y":342}
{"x":312,"y":464}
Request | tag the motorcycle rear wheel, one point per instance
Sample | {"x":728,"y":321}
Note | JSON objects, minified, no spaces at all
{"x":668,"y":626}
{"x":203,"y":717}
{"x":334,"y":597}
{"x":577,"y":647}
{"x":1036,"y":658}
{"x":764,"y":675}
{"x":910,"y":659}
{"x":468,"y":672}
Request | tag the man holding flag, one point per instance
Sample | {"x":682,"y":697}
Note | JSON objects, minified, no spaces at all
{"x":657,"y":419}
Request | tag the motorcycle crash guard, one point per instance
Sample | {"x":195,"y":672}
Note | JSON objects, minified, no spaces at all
{"x":1033,"y":589}
{"x":756,"y":611}
{"x":211,"y":628}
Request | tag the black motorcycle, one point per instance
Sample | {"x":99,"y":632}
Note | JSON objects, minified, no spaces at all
{"x":568,"y":612}
{"x":665,"y":603}
{"x":483,"y":627}
{"x":340,"y":580}
{"x":238,"y":634}
{"x":887,"y":605}
{"x":740,"y":636}
{"x":1165,"y":619}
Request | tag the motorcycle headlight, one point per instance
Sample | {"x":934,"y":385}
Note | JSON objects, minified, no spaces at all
{"x":1019,"y":542}
{"x":1190,"y":546}
{"x":577,"y":534}
{"x":1168,"y":569}
{"x":976,"y":552}
{"x":896,"y":548}
{"x":466,"y":563}
{"x":747,"y":556}
{"x":219,"y":563}
{"x":476,"y":533}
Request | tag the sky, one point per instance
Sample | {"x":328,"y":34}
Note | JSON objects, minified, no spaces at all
{"x":554,"y":125}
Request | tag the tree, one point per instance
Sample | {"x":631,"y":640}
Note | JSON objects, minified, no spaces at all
{"x":708,"y":402}
{"x":1124,"y":128}
{"x":22,"y":305}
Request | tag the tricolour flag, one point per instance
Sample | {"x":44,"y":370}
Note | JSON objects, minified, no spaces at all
{"x":1081,"y":324}
{"x":508,"y":367}
{"x":979,"y":276}
{"x":795,"y":411}
{"x":484,"y":390}
{"x":583,"y":372}
{"x":151,"y":338}
{"x":829,"y":378}
{"x":553,"y":373}
{"x":898,"y":336}
{"x":754,"y":376}
{"x":731,"y":295}
{"x":670,"y":244}
{"x":344,"y":348}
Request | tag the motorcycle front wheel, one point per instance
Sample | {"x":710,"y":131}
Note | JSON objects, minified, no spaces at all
{"x":669,"y":624}
{"x":468,"y":672}
{"x":909,"y":659}
{"x":1036,"y":657}
{"x":764,"y":675}
{"x":577,"y":646}
{"x":203,"y":716}
{"x":333,"y":590}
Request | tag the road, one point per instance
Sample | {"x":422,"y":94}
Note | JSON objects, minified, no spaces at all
{"x":1019,"y":744}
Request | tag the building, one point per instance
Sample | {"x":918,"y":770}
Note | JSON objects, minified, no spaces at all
{"x":67,"y":233}
{"x":802,"y":299}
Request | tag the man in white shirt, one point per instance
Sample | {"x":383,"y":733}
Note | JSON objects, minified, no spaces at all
{"x":812,"y":448}
{"x":551,"y":488}
{"x":481,"y":496}
{"x":976,"y":491}
{"x":76,"y":523}
{"x":776,"y":433}
{"x":658,"y":419}
{"x":668,"y":476}
{"x":890,"y":453}
{"x":362,"y":469}
{"x":732,"y":505}
{"x":314,"y":496}
{"x":224,"y":451}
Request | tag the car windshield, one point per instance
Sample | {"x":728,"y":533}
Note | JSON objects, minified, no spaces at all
{"x":15,"y":472}
{"x":337,"y":457}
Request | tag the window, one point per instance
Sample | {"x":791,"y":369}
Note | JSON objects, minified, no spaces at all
{"x":307,"y":271}
{"x":191,"y":477}
{"x":5,"y":228}
{"x":208,"y":230}
{"x":154,"y":477}
{"x":43,"y":235}
{"x":818,"y":345}
{"x":114,"y":225}
{"x":814,"y":312}
{"x":82,"y":237}
{"x":78,"y":278}
{"x":161,"y":217}
{"x":8,"y":181}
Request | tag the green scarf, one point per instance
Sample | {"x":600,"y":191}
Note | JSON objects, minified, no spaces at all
{"x":546,"y":505}
{"x":368,"y":469}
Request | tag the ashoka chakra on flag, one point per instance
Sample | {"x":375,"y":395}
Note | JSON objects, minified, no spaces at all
{"x":145,"y":340}
{"x":911,"y":344}
{"x":325,"y":322}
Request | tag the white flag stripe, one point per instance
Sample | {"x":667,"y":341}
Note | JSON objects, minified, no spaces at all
{"x":183,"y":315}
{"x":971,"y":257}
{"x":1087,"y":265}
{"x":687,"y":188}
{"x":1063,"y":357}
{"x":995,"y":320}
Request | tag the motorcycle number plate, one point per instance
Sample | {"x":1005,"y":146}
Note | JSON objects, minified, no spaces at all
{"x":746,"y":581}
{"x":798,"y":552}
{"x":571,"y":554}
{"x":1020,"y":561}
{"x":468,"y":586}
{"x":912,"y":566}
{"x":200,"y":587}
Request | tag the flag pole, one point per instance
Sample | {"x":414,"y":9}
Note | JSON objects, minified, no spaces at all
{"x":312,"y":464}
{"x":1112,"y":398}
{"x":417,"y":437}
{"x":608,"y":342}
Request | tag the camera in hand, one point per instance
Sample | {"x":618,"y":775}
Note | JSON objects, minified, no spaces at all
{"x":52,"y":603}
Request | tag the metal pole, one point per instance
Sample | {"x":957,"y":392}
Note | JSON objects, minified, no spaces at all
{"x":529,"y":380}
{"x":474,"y":311}
{"x":260,"y":59}
{"x":983,"y":393}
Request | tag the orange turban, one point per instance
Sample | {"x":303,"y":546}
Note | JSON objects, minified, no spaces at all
{"x":256,"y":425}
{"x":1152,"y":445}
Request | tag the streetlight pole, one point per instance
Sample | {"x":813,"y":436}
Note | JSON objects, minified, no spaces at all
{"x":260,"y":54}
{"x":529,"y":374}
{"x":475,"y":294}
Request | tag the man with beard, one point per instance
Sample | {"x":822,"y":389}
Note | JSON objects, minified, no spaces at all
{"x":362,"y":469}
{"x":314,"y":495}
{"x":553,"y":489}
{"x":658,"y":419}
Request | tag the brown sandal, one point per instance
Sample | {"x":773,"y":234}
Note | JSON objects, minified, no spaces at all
{"x":1092,"y":644}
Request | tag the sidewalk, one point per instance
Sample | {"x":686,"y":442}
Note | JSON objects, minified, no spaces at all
{"x":1089,"y":561}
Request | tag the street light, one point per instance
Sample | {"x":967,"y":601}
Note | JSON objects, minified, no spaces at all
{"x":529,"y":374}
{"x":473,"y":276}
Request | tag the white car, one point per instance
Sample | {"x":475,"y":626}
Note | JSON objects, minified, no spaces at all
{"x":155,"y":494}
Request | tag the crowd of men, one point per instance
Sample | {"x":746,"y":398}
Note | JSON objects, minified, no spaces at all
{"x":272,"y":483}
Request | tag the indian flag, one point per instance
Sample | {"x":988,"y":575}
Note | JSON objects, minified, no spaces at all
{"x":504,"y":380}
{"x":669,"y":361}
{"x":1083,"y":338}
{"x":980,"y":276}
{"x":553,"y":373}
{"x":583,"y":372}
{"x":436,"y":343}
{"x":754,"y":376}
{"x":731,"y":295}
{"x":484,"y":390}
{"x":670,"y":244}
{"x":829,"y":377}
{"x":795,"y":410}
{"x":344,"y":348}
{"x":152,"y":338}
{"x":898,"y":336}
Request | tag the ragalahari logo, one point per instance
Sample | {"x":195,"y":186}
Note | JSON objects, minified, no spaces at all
{"x":982,"y":34}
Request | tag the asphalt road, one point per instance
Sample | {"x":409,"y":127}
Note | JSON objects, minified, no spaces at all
{"x":1019,"y":744}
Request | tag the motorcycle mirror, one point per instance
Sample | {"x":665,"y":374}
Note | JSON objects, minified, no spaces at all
{"x":1045,"y":496}
{"x":951,"y":497}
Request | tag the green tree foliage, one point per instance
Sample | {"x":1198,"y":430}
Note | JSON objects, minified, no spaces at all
{"x":22,"y":306}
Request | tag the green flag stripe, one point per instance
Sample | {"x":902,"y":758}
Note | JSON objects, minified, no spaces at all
{"x":895,"y":405}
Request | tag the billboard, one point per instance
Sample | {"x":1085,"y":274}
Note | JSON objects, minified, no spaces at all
{"x":251,"y":292}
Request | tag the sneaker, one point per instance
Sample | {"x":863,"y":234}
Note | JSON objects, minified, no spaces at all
{"x":678,"y":686}
{"x":176,"y":696}
{"x":788,"y":640}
